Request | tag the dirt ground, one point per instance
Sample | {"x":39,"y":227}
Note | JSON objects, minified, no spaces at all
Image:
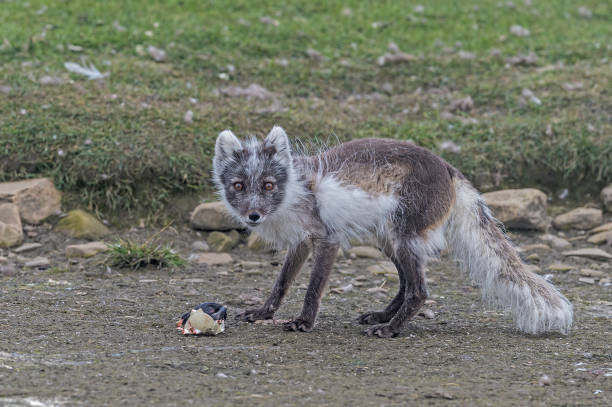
{"x":90,"y":336}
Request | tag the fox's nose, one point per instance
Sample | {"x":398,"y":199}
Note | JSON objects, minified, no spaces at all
{"x":254,"y":216}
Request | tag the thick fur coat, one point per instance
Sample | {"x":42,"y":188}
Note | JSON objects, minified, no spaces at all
{"x":410,"y":200}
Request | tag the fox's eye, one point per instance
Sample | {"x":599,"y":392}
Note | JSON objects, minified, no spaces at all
{"x":238,"y":186}
{"x":268,"y":186}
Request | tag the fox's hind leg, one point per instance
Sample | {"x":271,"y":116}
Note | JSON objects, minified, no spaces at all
{"x":377,"y":317}
{"x":409,"y":258}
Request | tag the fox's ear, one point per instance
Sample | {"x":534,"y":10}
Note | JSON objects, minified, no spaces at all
{"x":226,"y":145}
{"x":278,"y":139}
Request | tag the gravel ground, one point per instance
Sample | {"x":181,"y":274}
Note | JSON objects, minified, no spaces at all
{"x":90,"y":336}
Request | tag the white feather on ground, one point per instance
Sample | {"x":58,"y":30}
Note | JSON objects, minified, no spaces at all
{"x":91,"y":72}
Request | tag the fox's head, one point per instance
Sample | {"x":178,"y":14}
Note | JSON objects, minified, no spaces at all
{"x":252,"y":177}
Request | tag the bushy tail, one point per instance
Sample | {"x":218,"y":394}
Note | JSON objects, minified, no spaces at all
{"x":475,"y":239}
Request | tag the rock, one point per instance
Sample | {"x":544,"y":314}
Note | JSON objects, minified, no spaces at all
{"x":6,"y":267}
{"x":585,"y":12}
{"x":465,"y":104}
{"x":256,"y":243}
{"x":200,"y":246}
{"x":544,"y":381}
{"x":532,"y":268}
{"x":519,"y":31}
{"x":606,"y":197}
{"x":555,"y":241}
{"x":38,"y":262}
{"x":253,"y":91}
{"x":86,"y":250}
{"x":560,"y":267}
{"x":579,"y":218}
{"x":27,"y":247}
{"x":211,"y":259}
{"x":366,"y":252}
{"x":519,"y":208}
{"x":606,"y":227}
{"x":526,"y":60}
{"x":427,"y":314}
{"x":592,"y":273}
{"x":383,"y":267}
{"x":394,"y":56}
{"x":11,"y":233}
{"x":536,"y":246}
{"x":589,"y":252}
{"x":587,"y":280}
{"x":601,"y":238}
{"x":82,"y":225}
{"x":221,"y":242}
{"x":37,"y":199}
{"x":213,"y":216}
{"x":158,"y":55}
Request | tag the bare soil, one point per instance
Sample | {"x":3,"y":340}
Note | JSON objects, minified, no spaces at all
{"x":90,"y":336}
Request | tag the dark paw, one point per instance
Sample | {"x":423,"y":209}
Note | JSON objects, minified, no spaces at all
{"x":382,"y":331}
{"x":253,"y":315}
{"x":373,"y":318}
{"x":298,"y":324}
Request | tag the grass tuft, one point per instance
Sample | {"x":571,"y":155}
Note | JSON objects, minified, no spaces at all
{"x":133,"y":255}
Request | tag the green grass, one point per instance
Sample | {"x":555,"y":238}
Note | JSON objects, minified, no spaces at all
{"x":122,"y":143}
{"x":135,"y":255}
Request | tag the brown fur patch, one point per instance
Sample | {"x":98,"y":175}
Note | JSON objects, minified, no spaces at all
{"x":375,"y":180}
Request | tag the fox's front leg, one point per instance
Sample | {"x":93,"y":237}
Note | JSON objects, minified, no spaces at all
{"x":294,"y":260}
{"x":325,"y":251}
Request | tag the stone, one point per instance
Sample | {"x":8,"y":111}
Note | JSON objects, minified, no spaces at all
{"x":579,"y":218}
{"x":587,"y":280}
{"x":158,"y":55}
{"x":601,"y":238}
{"x":256,"y":243}
{"x":7,"y":268}
{"x":519,"y":208}
{"x":212,"y":259}
{"x":535,"y":246}
{"x":37,"y":262}
{"x":221,"y":242}
{"x":37,"y":199}
{"x":213,"y":216}
{"x":606,"y":227}
{"x":560,"y":267}
{"x":86,"y":250}
{"x":383,"y":267}
{"x":27,"y":247}
{"x":556,"y":241}
{"x":200,"y":246}
{"x":81,"y":225}
{"x":427,"y":314}
{"x":366,"y":252}
{"x":590,"y":253}
{"x":592,"y":273}
{"x":606,"y":197}
{"x":11,"y":232}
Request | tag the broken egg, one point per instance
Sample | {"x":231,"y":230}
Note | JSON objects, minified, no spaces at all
{"x":205,"y":319}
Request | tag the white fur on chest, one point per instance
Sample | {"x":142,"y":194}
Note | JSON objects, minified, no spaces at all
{"x":350,"y":211}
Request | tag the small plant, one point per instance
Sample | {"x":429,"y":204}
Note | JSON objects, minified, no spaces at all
{"x":133,"y":255}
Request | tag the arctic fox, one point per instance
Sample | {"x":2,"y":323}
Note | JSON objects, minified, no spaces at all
{"x":412,"y":201}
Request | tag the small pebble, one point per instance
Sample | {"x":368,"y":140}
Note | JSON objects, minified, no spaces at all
{"x":544,"y":381}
